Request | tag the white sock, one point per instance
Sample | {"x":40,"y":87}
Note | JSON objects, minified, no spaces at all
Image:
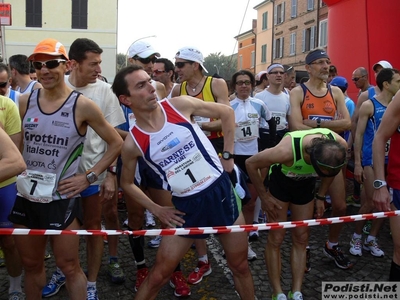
{"x":331,"y":245}
{"x":203,"y":258}
{"x":91,"y":284}
{"x":15,"y":284}
{"x":356,"y":236}
{"x":370,"y":238}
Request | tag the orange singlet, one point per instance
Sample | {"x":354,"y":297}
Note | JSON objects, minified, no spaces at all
{"x":313,"y":107}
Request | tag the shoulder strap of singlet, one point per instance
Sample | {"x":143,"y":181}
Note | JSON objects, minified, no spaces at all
{"x":297,"y":148}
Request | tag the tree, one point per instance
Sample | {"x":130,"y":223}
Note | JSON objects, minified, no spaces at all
{"x":121,"y":61}
{"x":224,"y":66}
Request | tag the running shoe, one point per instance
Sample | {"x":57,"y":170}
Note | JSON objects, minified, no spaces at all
{"x":353,"y":201}
{"x":178,"y":283}
{"x":202,"y":269}
{"x":92,"y":293}
{"x":355,"y":246}
{"x":16,"y":296}
{"x":367,"y":227}
{"x":149,"y":219}
{"x":125,"y":224}
{"x":155,"y":243}
{"x":295,"y":296}
{"x":373,"y":248}
{"x":337,"y":255}
{"x":56,"y":282}
{"x":47,"y":255}
{"x":115,"y":272}
{"x":251,"y":255}
{"x":254,"y":235}
{"x":280,"y":296}
{"x":141,"y":275}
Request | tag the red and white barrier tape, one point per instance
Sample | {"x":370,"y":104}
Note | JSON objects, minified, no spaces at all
{"x":205,"y":230}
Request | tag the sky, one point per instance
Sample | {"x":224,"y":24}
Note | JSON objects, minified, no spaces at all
{"x":209,"y":25}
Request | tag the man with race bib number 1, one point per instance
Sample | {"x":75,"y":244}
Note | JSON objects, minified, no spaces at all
{"x":175,"y":147}
{"x":54,"y":123}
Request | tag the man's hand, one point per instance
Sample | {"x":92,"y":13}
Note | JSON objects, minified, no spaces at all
{"x":169,"y":216}
{"x":107,"y":188}
{"x":319,"y":208}
{"x":359,"y":173}
{"x":270,"y":206}
{"x":381,"y":198}
{"x":73,"y":185}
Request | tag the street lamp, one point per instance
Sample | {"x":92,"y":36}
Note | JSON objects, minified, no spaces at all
{"x":127,"y":51}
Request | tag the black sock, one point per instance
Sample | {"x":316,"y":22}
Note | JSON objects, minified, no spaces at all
{"x":137,"y":244}
{"x":394,"y":272}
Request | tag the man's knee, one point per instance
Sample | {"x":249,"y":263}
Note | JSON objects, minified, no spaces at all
{"x":7,"y":243}
{"x":239,"y":266}
{"x":275,"y":238}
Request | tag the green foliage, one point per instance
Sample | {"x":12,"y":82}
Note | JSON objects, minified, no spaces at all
{"x":224,"y":66}
{"x":121,"y":61}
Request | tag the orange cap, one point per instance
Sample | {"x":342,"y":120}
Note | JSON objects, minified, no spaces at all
{"x":49,"y":47}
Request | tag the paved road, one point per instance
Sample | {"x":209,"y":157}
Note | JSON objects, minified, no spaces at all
{"x":219,"y":284}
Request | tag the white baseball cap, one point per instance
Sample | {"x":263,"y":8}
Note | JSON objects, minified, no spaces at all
{"x":260,"y":74}
{"x":383,"y":64}
{"x":142,"y":49}
{"x":192,"y":54}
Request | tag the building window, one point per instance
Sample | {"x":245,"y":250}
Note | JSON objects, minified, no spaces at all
{"x":278,"y":48}
{"x":322,"y":3}
{"x":292,"y":43}
{"x":264,"y":53}
{"x":265,"y":20}
{"x":253,"y":59}
{"x":33,"y":13}
{"x":253,"y":41}
{"x":279,"y":13}
{"x":323,"y":33}
{"x":309,"y":39}
{"x":79,"y":14}
{"x":240,"y":62}
{"x":310,"y":4}
{"x":293,"y":13}
{"x":240,"y":45}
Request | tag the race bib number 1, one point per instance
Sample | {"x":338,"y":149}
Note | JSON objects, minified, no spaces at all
{"x":36,"y":186}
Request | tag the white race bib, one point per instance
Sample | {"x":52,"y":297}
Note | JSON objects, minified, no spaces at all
{"x":36,"y":186}
{"x":280,"y":120}
{"x":387,"y":147}
{"x":199,"y":120}
{"x":246,"y":131}
{"x":189,"y":173}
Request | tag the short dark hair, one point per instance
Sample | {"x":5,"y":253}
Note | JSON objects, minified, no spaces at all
{"x":386,"y":74}
{"x":332,"y":69}
{"x":288,"y":69}
{"x":120,"y":86}
{"x":20,"y":63}
{"x":80,"y":46}
{"x":242,"y":72}
{"x":4,"y":67}
{"x":168,"y":66}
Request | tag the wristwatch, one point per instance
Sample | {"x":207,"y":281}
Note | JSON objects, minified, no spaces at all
{"x":379,"y":183}
{"x":91,"y":176}
{"x":112,"y":170}
{"x":227,"y":155}
{"x":318,"y":122}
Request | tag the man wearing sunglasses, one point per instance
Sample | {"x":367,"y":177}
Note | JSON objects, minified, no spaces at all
{"x":294,"y":164}
{"x":55,"y":122}
{"x":164,"y":72}
{"x":143,"y":54}
{"x":370,"y":116}
{"x":20,"y":69}
{"x":315,"y":104}
{"x":5,"y":84}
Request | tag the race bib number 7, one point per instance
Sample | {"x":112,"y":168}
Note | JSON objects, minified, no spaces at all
{"x":36,"y":186}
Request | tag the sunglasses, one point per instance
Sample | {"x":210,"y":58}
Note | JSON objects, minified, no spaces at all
{"x":355,"y":79}
{"x":50,"y":64}
{"x":245,"y":82}
{"x":181,"y":64}
{"x":145,"y":61}
{"x":276,"y":72}
{"x":3,"y":84}
{"x":158,"y":72}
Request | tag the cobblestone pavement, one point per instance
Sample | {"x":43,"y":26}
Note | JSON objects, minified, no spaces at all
{"x":219,"y":284}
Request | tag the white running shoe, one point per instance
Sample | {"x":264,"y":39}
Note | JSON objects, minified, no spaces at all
{"x":155,"y":243}
{"x":251,"y":255}
{"x":372,"y":246}
{"x":355,"y":247}
{"x":149,"y":219}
